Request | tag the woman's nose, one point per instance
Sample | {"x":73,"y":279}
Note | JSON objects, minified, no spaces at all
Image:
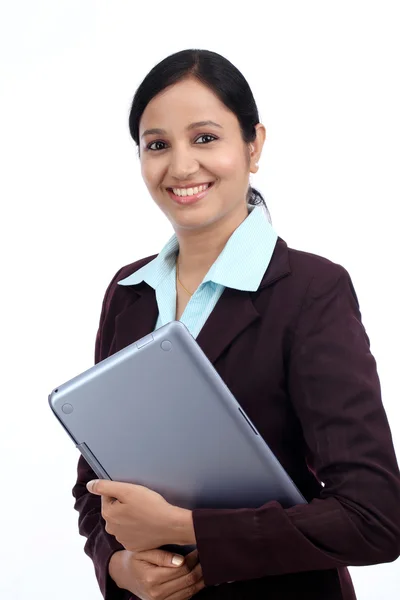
{"x":182,"y":165}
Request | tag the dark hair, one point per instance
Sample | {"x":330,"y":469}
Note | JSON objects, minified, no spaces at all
{"x":219,"y":75}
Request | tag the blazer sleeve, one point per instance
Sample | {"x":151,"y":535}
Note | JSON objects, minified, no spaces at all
{"x":334,"y":387}
{"x":100,"y":545}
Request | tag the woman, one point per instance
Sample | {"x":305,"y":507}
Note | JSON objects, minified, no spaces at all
{"x":283,"y":329}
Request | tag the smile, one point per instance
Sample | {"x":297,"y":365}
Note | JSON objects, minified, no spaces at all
{"x":187,"y":196}
{"x":192,"y":191}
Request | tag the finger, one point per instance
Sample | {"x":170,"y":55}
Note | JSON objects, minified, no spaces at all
{"x":187,"y":583}
{"x":161,"y":558}
{"x":162,"y":575}
{"x":192,"y":559}
{"x":112,"y":489}
{"x":189,"y":592}
{"x":107,"y":502}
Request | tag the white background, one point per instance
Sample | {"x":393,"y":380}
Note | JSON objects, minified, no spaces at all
{"x":325,"y":76}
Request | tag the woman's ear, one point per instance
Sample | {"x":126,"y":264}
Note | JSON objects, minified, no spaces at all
{"x":256,"y":147}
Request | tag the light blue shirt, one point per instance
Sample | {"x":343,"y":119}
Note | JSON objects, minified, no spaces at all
{"x":241,"y":265}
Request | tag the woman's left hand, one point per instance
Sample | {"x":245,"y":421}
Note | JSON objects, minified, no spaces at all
{"x":139,"y":518}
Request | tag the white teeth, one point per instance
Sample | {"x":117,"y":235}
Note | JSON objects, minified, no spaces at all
{"x":190,"y":191}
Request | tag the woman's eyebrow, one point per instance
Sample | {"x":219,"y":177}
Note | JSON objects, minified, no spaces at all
{"x":191,"y":126}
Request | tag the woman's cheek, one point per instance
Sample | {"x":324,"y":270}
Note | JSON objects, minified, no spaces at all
{"x":227,"y":165}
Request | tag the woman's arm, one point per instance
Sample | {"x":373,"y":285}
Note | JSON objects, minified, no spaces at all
{"x":335,"y":391}
{"x":100,"y":546}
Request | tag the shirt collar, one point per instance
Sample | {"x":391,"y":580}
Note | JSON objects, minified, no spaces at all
{"x":249,"y":249}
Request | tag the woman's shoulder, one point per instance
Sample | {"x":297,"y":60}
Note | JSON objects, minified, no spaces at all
{"x":308,"y":264}
{"x":309,"y":273}
{"x":113,"y":289}
{"x":302,"y":259}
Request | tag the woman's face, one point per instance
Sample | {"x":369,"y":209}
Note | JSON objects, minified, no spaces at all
{"x":183,"y":154}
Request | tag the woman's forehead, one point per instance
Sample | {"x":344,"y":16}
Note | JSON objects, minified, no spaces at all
{"x":183,"y":104}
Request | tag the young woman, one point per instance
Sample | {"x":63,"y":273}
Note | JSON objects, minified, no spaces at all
{"x":283,"y":328}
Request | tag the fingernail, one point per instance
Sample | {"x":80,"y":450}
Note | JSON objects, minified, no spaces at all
{"x":90,"y":485}
{"x":177,"y":560}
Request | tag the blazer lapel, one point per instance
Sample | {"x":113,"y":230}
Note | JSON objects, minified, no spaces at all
{"x":235,"y":310}
{"x":140,"y":316}
{"x":233,"y":313}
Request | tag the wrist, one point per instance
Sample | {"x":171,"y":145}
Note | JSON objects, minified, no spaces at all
{"x":117,"y":566}
{"x":184,"y":533}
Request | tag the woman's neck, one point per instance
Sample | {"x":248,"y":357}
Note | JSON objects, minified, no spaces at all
{"x":199,"y":249}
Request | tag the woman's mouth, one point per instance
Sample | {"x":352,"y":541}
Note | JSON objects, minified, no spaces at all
{"x":189,"y":195}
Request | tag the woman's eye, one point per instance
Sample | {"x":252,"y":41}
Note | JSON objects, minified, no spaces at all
{"x":207,"y":135}
{"x":152,"y":144}
{"x":211,"y":138}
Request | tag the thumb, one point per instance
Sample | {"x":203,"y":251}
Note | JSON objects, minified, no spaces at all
{"x":161,"y":558}
{"x":106,"y":487}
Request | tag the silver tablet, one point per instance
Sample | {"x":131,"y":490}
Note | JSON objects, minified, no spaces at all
{"x":158,"y":414}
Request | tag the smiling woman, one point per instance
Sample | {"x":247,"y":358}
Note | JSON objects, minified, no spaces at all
{"x":222,"y":87}
{"x":283,"y":328}
{"x":181,"y":155}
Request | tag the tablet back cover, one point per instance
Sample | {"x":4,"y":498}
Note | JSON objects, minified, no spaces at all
{"x":158,"y":414}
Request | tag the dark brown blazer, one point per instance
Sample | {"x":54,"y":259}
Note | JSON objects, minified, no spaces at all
{"x":296,"y":356}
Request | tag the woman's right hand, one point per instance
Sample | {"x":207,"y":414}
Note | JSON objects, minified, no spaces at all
{"x":151,"y":575}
